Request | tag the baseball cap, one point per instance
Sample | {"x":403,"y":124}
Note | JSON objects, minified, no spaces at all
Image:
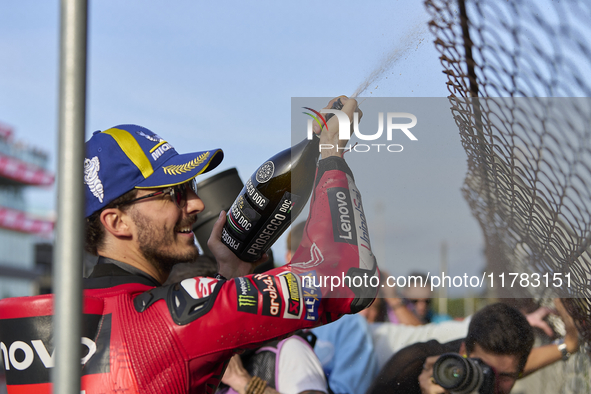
{"x":128,"y":156}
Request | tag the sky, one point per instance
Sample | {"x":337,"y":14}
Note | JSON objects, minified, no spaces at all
{"x":222,"y":75}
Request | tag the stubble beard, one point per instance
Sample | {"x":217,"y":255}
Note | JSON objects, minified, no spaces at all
{"x":156,"y":246}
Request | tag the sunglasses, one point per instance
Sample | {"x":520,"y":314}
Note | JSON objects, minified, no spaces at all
{"x":414,"y":301}
{"x":178,"y":194}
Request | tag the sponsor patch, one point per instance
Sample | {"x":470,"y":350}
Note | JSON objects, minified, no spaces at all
{"x":28,"y":351}
{"x":272,"y":301}
{"x":311,"y":295}
{"x":342,"y":215}
{"x":366,"y":257}
{"x":247,"y":296}
{"x":199,"y":287}
{"x":290,"y":285}
{"x":153,"y":138}
{"x":159,"y":150}
{"x":316,"y":258}
{"x":91,"y":178}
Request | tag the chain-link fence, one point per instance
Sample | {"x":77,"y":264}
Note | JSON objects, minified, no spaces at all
{"x":517,"y":76}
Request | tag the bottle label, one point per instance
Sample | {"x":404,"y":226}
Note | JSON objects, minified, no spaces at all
{"x":230,"y":241}
{"x":242,"y":217}
{"x":265,"y":172}
{"x":257,"y":198}
{"x":276,"y":223}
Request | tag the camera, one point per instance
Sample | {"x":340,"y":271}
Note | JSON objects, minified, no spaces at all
{"x":463,"y":375}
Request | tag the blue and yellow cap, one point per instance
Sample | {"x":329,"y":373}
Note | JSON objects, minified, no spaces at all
{"x":128,"y":156}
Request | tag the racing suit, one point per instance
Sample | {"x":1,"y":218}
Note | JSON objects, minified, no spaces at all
{"x":138,"y":337}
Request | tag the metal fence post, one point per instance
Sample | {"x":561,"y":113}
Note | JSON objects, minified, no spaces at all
{"x":68,"y":255}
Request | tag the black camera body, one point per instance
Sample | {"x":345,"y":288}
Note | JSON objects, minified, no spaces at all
{"x":463,"y":375}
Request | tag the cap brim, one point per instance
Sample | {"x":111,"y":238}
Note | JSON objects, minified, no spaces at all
{"x":182,"y":168}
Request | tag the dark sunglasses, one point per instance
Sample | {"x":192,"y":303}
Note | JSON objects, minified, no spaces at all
{"x":414,"y":302}
{"x":178,"y":194}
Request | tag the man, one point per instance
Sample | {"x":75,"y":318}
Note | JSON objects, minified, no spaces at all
{"x":498,"y":334}
{"x":140,"y":337}
{"x":418,"y":298}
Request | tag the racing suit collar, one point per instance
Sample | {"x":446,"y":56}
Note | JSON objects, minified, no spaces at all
{"x":108,"y":272}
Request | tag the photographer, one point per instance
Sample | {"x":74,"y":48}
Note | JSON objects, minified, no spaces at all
{"x":499,"y":335}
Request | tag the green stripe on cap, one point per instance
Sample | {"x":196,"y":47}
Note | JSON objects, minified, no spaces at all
{"x":132,"y":150}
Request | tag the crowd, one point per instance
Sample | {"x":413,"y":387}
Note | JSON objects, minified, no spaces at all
{"x":229,"y":328}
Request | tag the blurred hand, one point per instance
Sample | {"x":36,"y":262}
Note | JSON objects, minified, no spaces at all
{"x":536,"y":319}
{"x":426,"y":381}
{"x":229,"y":265}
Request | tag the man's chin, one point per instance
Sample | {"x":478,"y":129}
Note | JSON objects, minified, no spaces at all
{"x":165,"y":261}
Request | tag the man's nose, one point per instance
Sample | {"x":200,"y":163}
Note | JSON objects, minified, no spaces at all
{"x":194,"y":203}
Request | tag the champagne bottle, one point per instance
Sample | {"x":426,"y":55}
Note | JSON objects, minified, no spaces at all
{"x":271,"y":198}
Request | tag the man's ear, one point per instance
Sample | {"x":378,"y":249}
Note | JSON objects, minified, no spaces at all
{"x":116,"y":222}
{"x":463,"y":351}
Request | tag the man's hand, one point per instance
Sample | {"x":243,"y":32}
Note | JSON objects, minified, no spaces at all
{"x":330,"y":136}
{"x":238,"y":378}
{"x":235,"y":375}
{"x":229,"y":265}
{"x":571,"y":338}
{"x":536,"y":319}
{"x":426,"y":381}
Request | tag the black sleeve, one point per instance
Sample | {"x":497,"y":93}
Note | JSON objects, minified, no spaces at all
{"x":401,"y":373}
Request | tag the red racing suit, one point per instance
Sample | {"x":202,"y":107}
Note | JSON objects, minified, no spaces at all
{"x":141,"y":338}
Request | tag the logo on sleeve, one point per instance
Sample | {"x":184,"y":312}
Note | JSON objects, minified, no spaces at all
{"x":343,"y":217}
{"x":290,"y":284}
{"x":272,"y":302}
{"x":316,"y":258}
{"x":199,"y":287}
{"x":28,"y":352}
{"x":247,"y":296}
{"x":312,"y":296}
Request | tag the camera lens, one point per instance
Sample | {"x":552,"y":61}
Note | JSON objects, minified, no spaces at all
{"x":463,"y":375}
{"x":451,"y":370}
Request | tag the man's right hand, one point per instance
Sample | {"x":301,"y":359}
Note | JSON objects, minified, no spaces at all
{"x":229,"y":265}
{"x":330,"y":136}
{"x":426,"y":381}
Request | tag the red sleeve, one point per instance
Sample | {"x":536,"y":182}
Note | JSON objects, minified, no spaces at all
{"x":330,"y":275}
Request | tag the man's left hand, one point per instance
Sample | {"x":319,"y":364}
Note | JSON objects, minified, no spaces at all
{"x":229,"y":265}
{"x":426,"y":381}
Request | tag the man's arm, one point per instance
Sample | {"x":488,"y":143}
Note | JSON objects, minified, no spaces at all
{"x":542,"y":356}
{"x":238,"y":378}
{"x":346,"y":350}
{"x":229,"y":265}
{"x":249,"y":310}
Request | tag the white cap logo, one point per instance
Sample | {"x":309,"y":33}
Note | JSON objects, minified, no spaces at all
{"x":91,"y":169}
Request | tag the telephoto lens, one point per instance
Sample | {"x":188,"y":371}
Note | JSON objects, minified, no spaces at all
{"x":463,"y":375}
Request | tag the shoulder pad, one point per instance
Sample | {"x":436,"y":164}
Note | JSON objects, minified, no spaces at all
{"x":186,"y":301}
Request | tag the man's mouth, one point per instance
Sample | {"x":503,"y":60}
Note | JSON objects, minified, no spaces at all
{"x":184,"y":230}
{"x":186,"y":226}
